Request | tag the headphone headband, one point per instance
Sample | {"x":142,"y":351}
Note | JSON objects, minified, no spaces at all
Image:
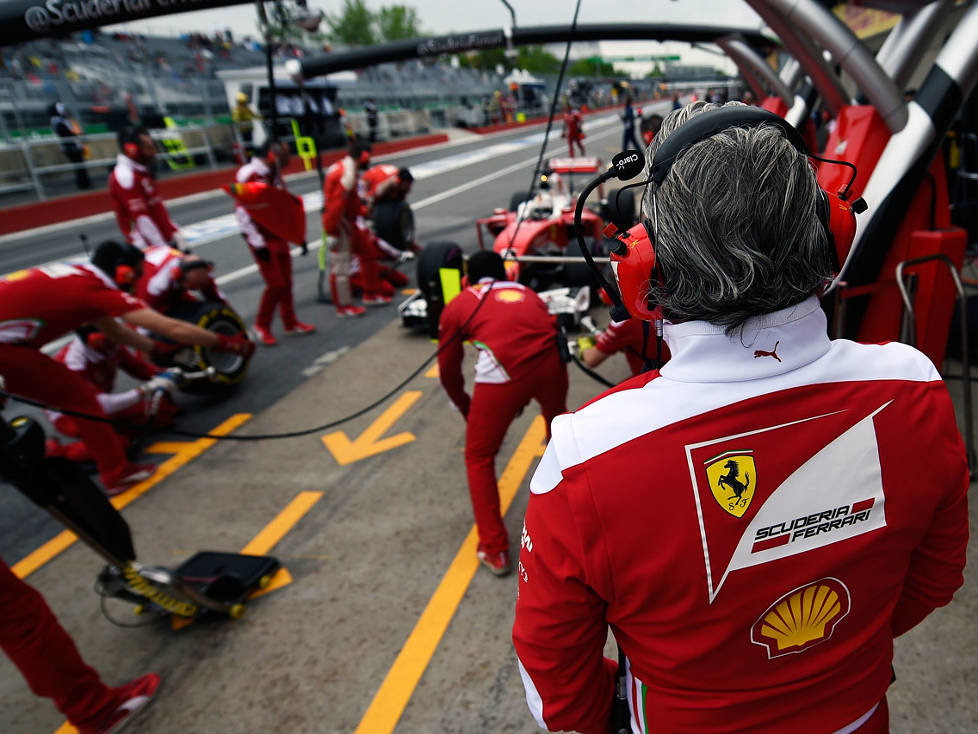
{"x":712,"y":122}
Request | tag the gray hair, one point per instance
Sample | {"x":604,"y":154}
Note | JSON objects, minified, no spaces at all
{"x":736,"y":227}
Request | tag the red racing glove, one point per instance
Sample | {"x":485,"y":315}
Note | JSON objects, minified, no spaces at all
{"x":237,"y":344}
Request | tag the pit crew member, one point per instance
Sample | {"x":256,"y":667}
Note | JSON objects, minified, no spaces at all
{"x":518,"y":361}
{"x":760,"y":519}
{"x":92,"y":356}
{"x":41,"y":304}
{"x":573,"y":129}
{"x":169,"y":275}
{"x":139,"y":209}
{"x":271,"y":253}
{"x":341,"y":207}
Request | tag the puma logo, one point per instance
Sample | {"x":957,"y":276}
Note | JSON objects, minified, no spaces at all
{"x":772,"y":353}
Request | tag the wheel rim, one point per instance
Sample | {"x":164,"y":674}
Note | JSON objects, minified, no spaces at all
{"x":224,"y":362}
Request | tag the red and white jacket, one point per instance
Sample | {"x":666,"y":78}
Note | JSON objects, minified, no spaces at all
{"x":755,"y":522}
{"x":138,"y":206}
{"x":377,"y":181}
{"x":511,"y":329}
{"x":100,"y":369}
{"x":161,"y":284}
{"x":256,"y":170}
{"x":341,"y":199}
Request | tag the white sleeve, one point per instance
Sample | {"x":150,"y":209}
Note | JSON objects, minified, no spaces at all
{"x":115,"y":402}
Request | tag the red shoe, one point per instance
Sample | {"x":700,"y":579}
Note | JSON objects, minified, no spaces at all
{"x":119,"y":480}
{"x":264,"y":336}
{"x":348,"y":311}
{"x":376,"y":299}
{"x":495,"y":561}
{"x":133,"y":697}
{"x":300,"y":329}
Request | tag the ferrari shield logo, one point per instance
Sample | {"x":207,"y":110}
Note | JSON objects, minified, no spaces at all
{"x":733,"y":478}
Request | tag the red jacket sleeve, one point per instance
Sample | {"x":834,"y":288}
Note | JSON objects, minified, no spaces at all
{"x":135,"y":365}
{"x":450,"y":353}
{"x":937,"y":563}
{"x":560,"y":628}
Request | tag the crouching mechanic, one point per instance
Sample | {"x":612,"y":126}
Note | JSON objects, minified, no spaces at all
{"x":760,"y":518}
{"x":41,"y":304}
{"x":169,"y":276}
{"x":148,"y":405}
{"x":518,"y":361}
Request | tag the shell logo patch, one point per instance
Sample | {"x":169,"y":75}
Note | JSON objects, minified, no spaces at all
{"x":509,"y":295}
{"x":802,"y":618}
{"x":733,"y":478}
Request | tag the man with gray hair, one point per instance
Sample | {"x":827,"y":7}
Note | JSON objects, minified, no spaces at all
{"x":757,"y":520}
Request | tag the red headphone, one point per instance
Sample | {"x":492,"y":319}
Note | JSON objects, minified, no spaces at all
{"x":96,"y":340}
{"x":125,"y":276}
{"x":364,"y":158}
{"x":634,"y":261}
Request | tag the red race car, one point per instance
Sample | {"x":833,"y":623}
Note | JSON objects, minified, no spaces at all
{"x":540,"y":225}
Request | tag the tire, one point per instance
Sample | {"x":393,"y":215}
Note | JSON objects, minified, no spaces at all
{"x":518,"y":198}
{"x":620,"y":209}
{"x":394,"y":223}
{"x":221,"y":319}
{"x":432,"y":259}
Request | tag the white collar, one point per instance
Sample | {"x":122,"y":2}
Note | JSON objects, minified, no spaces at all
{"x":100,"y":275}
{"x":702,"y":352}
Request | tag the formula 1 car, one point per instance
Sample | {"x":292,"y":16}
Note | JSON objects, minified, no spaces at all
{"x":539,"y":224}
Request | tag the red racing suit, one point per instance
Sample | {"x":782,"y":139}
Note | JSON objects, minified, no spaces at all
{"x":160,"y":284}
{"x":756,"y":522}
{"x":276,"y":269}
{"x":377,"y":181}
{"x":573,"y":131}
{"x":100,"y":367}
{"x":138,"y":206}
{"x":627,"y":336}
{"x":39,"y":305}
{"x":518,"y":361}
{"x":341,"y":207}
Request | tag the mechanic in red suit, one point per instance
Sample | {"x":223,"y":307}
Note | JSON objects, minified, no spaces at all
{"x":341,"y":208}
{"x":92,"y":356}
{"x":623,"y":336}
{"x":47,"y":657}
{"x":169,"y":275}
{"x":518,"y":361}
{"x":139,"y":210}
{"x":41,"y":304}
{"x":758,"y":520}
{"x":573,"y":129}
{"x":271,"y":253}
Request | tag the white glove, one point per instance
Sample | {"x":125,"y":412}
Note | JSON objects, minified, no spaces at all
{"x":406,"y":256}
{"x":160,"y":382}
{"x":180,"y":241}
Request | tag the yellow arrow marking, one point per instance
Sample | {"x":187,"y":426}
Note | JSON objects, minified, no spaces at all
{"x":432,"y":371}
{"x":370,"y":442}
{"x":183,"y":453}
{"x":385,"y":710}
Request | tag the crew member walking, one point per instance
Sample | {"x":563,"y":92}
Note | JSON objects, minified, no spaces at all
{"x":573,"y":129}
{"x":271,"y":253}
{"x":518,"y":361}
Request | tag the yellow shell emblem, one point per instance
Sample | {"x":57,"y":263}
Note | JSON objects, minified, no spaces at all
{"x":802,"y":618}
{"x":733,"y":478}
{"x":508,"y":295}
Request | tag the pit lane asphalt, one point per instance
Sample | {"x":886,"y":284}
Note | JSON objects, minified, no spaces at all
{"x":380,"y":561}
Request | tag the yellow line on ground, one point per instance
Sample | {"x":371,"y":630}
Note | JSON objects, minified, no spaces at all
{"x":388,"y":703}
{"x":282,"y":524}
{"x":183,"y":453}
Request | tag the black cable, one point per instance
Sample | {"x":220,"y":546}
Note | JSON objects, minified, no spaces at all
{"x":550,"y":119}
{"x":591,"y":373}
{"x":262,"y":436}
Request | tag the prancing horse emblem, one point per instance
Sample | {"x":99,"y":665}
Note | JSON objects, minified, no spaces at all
{"x":733,"y":478}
